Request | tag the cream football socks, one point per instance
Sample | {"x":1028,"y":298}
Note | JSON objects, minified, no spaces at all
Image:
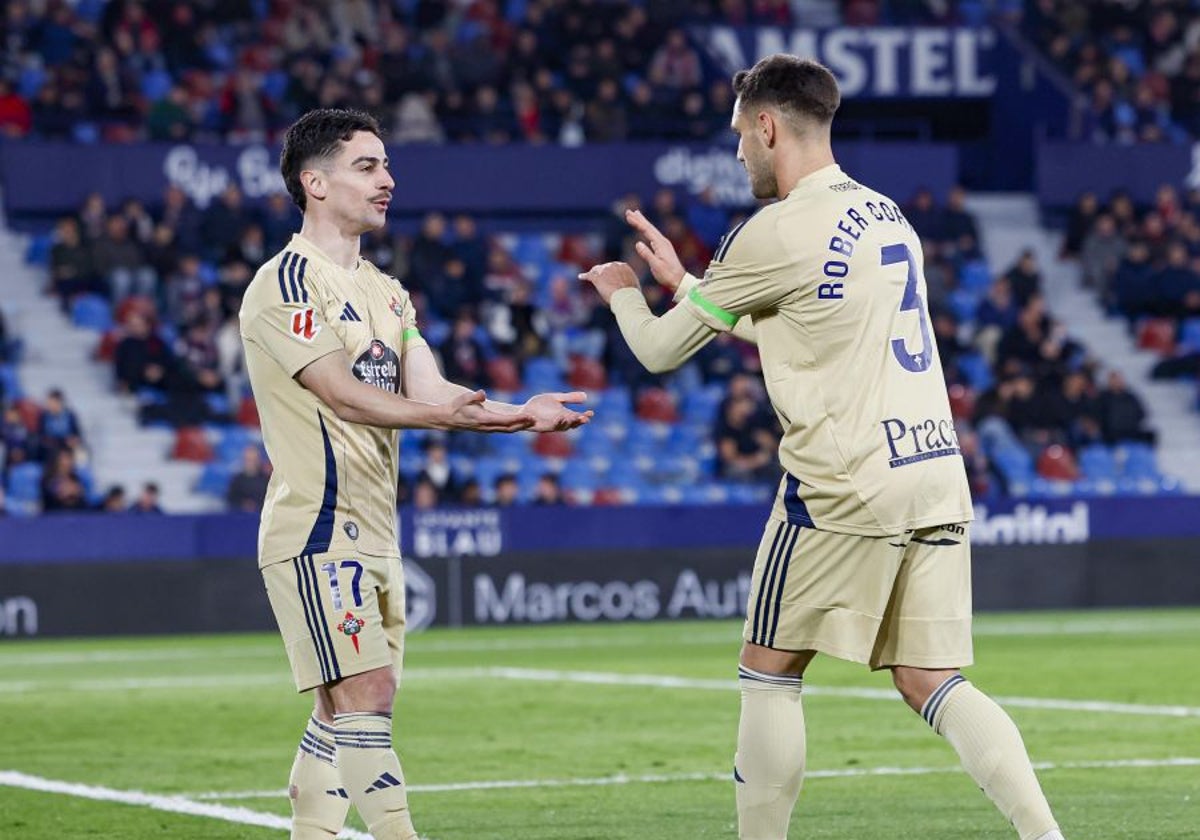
{"x":769,"y":766}
{"x":992,"y":752}
{"x":319,"y":803}
{"x":371,"y":775}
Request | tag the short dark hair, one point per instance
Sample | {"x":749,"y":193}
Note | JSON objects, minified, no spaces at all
{"x":802,"y":86}
{"x":319,"y":134}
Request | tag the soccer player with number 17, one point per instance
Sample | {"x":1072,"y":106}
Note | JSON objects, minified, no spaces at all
{"x":866,"y":554}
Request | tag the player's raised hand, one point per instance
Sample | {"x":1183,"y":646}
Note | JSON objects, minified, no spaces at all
{"x":468,"y":413}
{"x":550,"y":412}
{"x":657,"y":251}
{"x":608,"y":277}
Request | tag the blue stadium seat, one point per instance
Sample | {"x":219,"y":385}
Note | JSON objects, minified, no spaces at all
{"x":1098,"y":463}
{"x":25,"y":483}
{"x":975,"y":277}
{"x":1139,"y":462}
{"x":92,"y":312}
{"x":215,"y":478}
{"x":10,"y":383}
{"x":964,"y":304}
{"x":1189,"y":336}
{"x":977,"y":371}
{"x":38,"y":252}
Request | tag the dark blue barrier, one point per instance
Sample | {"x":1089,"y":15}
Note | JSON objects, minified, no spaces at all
{"x":492,"y":531}
{"x":1067,"y":170}
{"x":53,"y":178}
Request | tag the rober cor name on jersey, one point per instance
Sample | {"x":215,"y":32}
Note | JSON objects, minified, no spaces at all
{"x":921,"y":440}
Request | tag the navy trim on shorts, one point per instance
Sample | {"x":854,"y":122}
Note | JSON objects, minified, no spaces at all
{"x":322,"y":530}
{"x":334,"y":668}
{"x":773,"y":596}
{"x":306,"y":603}
{"x":785,"y":562}
{"x":762,"y":584}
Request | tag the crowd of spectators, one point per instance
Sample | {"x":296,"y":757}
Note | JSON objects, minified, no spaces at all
{"x":1138,"y":64}
{"x":558,"y":71}
{"x":1144,"y":263}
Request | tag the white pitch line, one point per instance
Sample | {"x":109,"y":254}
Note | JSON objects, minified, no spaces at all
{"x":659,"y":681}
{"x":581,"y":677}
{"x":156,"y":802}
{"x":626,"y":779}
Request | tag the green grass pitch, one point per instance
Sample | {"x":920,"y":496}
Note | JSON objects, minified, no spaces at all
{"x":572,"y":733}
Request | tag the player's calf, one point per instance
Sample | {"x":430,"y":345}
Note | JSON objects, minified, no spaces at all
{"x":319,"y":802}
{"x":768,"y":769}
{"x":990,"y":748}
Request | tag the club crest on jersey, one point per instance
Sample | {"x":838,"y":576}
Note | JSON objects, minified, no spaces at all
{"x":352,"y":625}
{"x":397,"y":307}
{"x":304,"y":325}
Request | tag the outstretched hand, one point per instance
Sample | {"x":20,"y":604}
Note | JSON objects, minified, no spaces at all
{"x":609,"y":277}
{"x":657,"y":251}
{"x":550,"y":413}
{"x":467,"y":412}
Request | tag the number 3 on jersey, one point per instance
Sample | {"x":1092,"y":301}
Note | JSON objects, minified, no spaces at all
{"x":910,"y":361}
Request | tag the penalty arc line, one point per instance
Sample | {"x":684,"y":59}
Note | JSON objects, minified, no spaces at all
{"x":157,"y":802}
{"x":626,"y":779}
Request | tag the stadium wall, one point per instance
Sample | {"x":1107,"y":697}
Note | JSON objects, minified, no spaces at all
{"x":71,"y":575}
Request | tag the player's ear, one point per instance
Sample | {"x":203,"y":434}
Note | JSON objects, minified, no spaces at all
{"x":767,"y":128}
{"x":314,"y":183}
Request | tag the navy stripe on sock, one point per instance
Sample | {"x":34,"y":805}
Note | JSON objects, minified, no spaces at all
{"x":786,"y":680}
{"x":930,"y":709}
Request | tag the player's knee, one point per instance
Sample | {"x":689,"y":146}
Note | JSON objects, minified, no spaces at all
{"x":772,"y":661}
{"x":373,"y":691}
{"x":916,"y":684}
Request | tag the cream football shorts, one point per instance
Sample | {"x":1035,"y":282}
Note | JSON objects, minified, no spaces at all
{"x":882,"y":601}
{"x":338,"y":615}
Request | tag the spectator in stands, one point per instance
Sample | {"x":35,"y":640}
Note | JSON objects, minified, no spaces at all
{"x":1133,"y":284}
{"x":923,"y":214}
{"x":143,"y":359}
{"x":180,"y":215}
{"x":71,"y":269}
{"x":507,"y":492}
{"x":248,"y":488}
{"x":114,"y":500}
{"x":1176,"y":285}
{"x":62,"y":488}
{"x":1103,"y":249}
{"x":437,"y":470}
{"x":1079,"y":224}
{"x":548,"y":490}
{"x":463,"y":358}
{"x":121,"y":262}
{"x":675,"y":65}
{"x":19,"y":443}
{"x":745,"y":445}
{"x":958,"y":225}
{"x":148,"y":500}
{"x":58,"y":427}
{"x":470,"y":495}
{"x":1122,"y":416}
{"x":16,"y":117}
{"x":1025,"y":278}
{"x":223,"y":222}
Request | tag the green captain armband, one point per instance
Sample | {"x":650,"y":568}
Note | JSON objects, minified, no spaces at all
{"x":411,"y":332}
{"x":726,"y":318}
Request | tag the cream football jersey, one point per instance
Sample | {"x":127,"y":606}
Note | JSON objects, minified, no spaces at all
{"x":333,"y":488}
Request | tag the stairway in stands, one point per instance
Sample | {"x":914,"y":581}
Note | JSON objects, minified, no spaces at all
{"x":59,"y":354}
{"x":1008,"y":225}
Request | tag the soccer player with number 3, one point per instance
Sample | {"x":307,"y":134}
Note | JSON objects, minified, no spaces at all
{"x":865,"y":555}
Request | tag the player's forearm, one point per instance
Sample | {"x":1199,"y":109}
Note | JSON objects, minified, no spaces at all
{"x":660,"y":344}
{"x":743,"y":329}
{"x":447,"y":391}
{"x":371,"y":406}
